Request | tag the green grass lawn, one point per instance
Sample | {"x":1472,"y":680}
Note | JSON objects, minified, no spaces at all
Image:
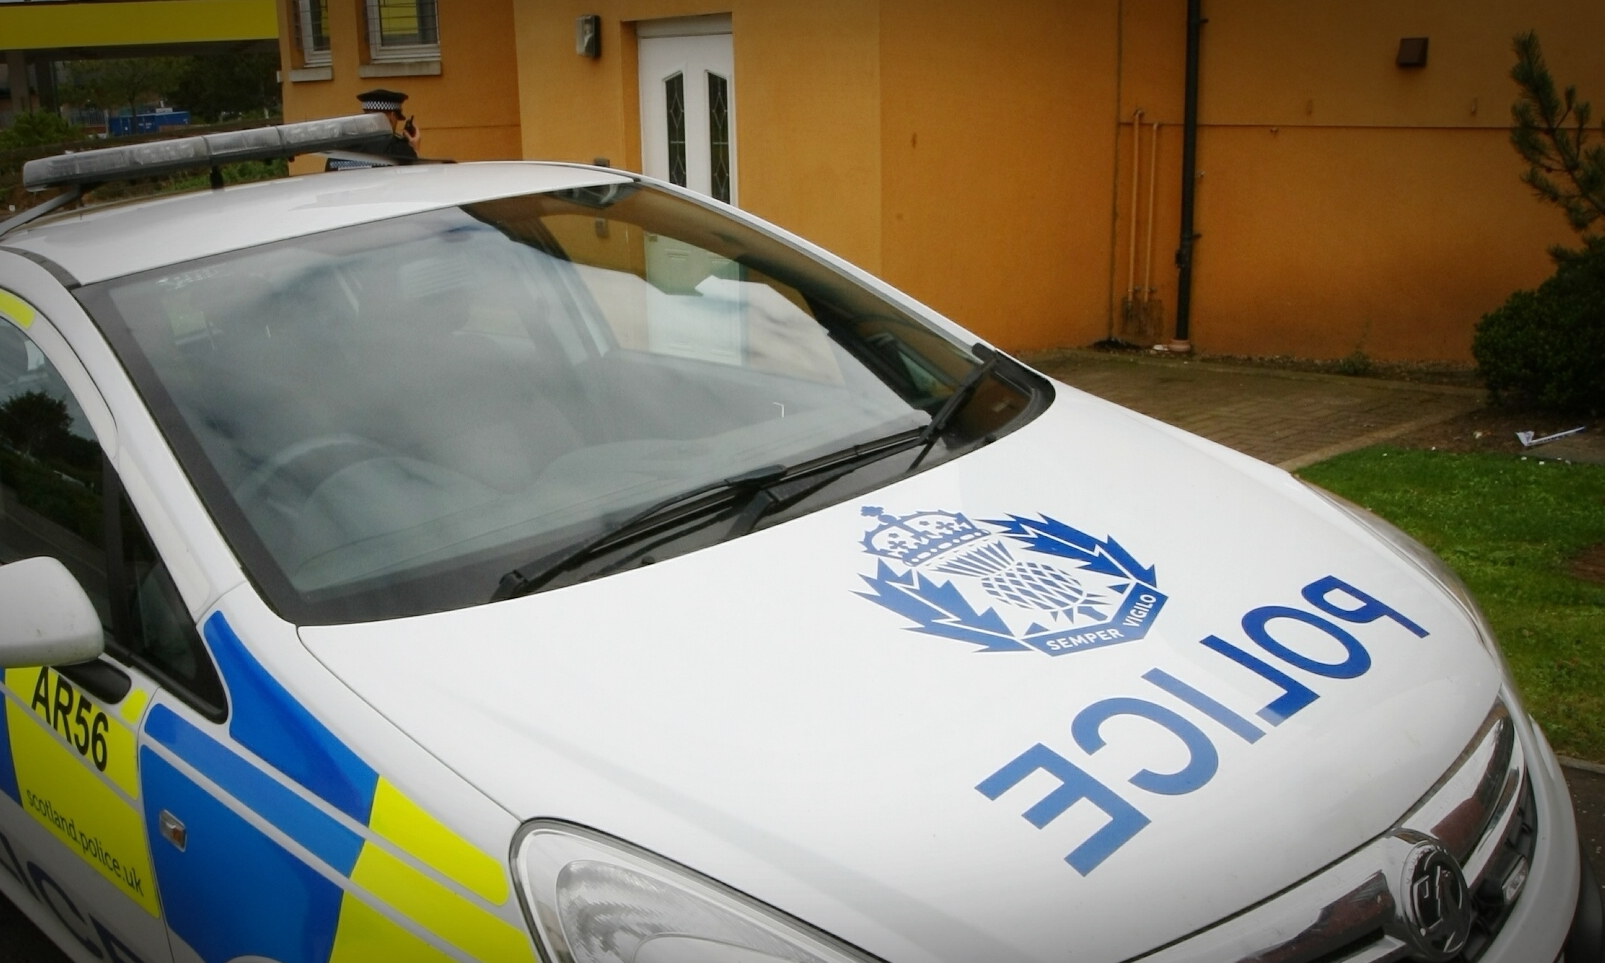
{"x":1508,"y":526}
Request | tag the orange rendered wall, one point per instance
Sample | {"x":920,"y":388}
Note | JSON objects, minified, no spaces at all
{"x":1346,"y":204}
{"x":928,"y":141}
{"x":981,"y":156}
{"x":997,"y":163}
{"x":1391,"y":242}
{"x":468,"y":112}
{"x":807,"y":105}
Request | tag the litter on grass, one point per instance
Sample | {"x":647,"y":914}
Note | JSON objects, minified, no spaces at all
{"x":1527,"y":440}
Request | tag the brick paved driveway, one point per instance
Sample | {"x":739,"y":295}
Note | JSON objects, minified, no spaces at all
{"x":1287,"y":418}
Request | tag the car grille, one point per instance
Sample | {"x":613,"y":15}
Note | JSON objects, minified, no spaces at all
{"x":1515,"y":855}
{"x":1436,"y":888}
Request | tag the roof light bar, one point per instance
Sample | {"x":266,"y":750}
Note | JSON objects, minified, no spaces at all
{"x":207,"y":150}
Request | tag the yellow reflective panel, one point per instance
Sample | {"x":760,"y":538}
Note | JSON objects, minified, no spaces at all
{"x":366,"y":935}
{"x":17,"y":310}
{"x":96,"y":733}
{"x":134,"y":706}
{"x":441,"y":911}
{"x":62,"y":790}
{"x":403,"y":822}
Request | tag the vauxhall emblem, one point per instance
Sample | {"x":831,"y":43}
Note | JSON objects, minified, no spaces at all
{"x":1009,"y":584}
{"x":1435,"y":908}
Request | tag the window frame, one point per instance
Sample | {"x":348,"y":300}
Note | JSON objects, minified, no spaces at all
{"x":380,"y":52}
{"x":721,"y":140}
{"x":301,"y":26}
{"x":123,"y":596}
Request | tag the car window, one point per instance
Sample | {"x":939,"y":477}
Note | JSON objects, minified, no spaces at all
{"x":55,"y":487}
{"x":387,"y":418}
{"x":51,"y":471}
{"x":160,"y":636}
{"x":667,"y":296}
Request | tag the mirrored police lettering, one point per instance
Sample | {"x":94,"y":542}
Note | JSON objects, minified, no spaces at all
{"x":1330,"y":597}
{"x":85,"y":928}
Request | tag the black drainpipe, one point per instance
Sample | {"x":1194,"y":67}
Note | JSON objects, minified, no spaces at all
{"x":1189,"y":177}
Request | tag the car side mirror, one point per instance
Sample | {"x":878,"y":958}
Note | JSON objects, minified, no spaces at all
{"x":47,"y":620}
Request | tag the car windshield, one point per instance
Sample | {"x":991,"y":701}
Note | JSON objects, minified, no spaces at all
{"x":386,"y":418}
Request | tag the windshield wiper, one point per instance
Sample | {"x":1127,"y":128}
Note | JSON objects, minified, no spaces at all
{"x":797,"y":483}
{"x":804,"y":479}
{"x":956,"y":401}
{"x":770,"y":487}
{"x":519,"y":582}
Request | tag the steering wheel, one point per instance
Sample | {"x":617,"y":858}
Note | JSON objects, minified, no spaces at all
{"x":293,"y":472}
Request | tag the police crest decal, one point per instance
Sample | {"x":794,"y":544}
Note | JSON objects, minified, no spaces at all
{"x":1009,"y":584}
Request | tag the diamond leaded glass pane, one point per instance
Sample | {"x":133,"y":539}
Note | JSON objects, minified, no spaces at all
{"x":674,"y":89}
{"x":719,"y":135}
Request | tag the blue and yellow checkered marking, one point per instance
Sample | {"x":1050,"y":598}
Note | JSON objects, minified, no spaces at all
{"x":369,"y":874}
{"x":267,"y":720}
{"x":299,"y":819}
{"x":8,"y":769}
{"x":69,"y":761}
{"x":233,"y":891}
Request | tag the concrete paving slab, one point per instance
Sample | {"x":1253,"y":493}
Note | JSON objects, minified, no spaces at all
{"x":1588,"y":802}
{"x":1288,"y":418}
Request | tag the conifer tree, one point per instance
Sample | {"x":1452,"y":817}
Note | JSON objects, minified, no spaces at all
{"x":1544,"y":346}
{"x":1565,"y":157}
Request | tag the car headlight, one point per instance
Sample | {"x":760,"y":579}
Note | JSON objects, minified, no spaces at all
{"x":592,"y":899}
{"x":1422,"y":558}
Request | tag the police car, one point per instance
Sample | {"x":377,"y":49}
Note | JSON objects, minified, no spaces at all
{"x":518,"y":561}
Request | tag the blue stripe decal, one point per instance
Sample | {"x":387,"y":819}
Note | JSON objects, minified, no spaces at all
{"x":299,"y":819}
{"x":232,"y":891}
{"x":8,"y":769}
{"x":267,"y":720}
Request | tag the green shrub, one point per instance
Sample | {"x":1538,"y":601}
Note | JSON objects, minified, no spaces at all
{"x":38,"y":127}
{"x":1356,"y":365}
{"x":1547,"y":347}
{"x":242,"y":173}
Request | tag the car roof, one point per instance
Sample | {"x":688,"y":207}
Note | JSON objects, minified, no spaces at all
{"x":115,"y":240}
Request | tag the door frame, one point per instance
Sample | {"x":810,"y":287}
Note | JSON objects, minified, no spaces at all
{"x":709,"y":25}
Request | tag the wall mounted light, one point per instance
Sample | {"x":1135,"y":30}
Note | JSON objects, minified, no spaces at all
{"x":1412,"y":52}
{"x":588,"y":36}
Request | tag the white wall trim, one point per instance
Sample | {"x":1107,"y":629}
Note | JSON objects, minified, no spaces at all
{"x":400,"y":68}
{"x":713,"y":23}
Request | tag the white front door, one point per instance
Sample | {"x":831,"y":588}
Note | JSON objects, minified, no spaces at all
{"x":688,"y":111}
{"x":687,"y":138}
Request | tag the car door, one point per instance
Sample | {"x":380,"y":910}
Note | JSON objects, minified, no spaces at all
{"x":74,"y":847}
